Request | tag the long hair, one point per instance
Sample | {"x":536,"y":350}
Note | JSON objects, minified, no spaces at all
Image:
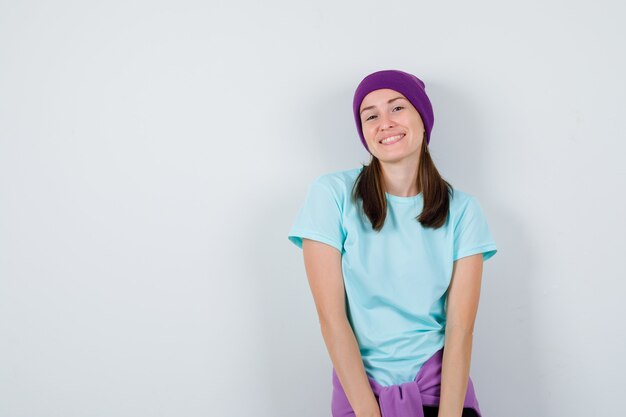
{"x":370,"y":188}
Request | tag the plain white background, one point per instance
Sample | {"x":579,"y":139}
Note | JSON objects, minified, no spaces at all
{"x":154,"y":154}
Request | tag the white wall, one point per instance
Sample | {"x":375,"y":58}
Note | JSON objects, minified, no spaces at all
{"x":154,"y":154}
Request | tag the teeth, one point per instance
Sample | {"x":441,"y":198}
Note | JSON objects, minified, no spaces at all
{"x":391,"y":139}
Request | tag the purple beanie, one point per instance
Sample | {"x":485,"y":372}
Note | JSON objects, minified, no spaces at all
{"x":409,"y":85}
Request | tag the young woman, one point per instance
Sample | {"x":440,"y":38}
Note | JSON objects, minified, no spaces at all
{"x":394,"y":256}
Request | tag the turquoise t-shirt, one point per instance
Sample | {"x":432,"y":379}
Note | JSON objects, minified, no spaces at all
{"x":396,"y":280}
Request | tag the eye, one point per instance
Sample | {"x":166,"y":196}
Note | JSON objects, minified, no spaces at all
{"x":398,"y":107}
{"x":373,"y":115}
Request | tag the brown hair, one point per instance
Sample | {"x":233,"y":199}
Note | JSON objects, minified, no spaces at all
{"x":370,"y":188}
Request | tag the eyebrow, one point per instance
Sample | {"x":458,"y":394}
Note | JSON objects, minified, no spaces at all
{"x":371,"y":107}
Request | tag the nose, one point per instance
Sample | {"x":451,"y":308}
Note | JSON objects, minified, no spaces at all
{"x":386,"y":121}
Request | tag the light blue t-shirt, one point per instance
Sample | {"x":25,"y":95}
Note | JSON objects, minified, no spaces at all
{"x":396,"y":280}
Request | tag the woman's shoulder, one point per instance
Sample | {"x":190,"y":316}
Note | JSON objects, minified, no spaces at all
{"x":461,"y":196}
{"x":465,"y":205}
{"x":460,"y":200}
{"x":340,"y":181}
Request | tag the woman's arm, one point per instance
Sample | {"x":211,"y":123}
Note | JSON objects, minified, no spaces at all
{"x":323,"y":269}
{"x":462,"y":306}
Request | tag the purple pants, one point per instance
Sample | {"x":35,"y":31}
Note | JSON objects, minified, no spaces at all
{"x":407,"y":399}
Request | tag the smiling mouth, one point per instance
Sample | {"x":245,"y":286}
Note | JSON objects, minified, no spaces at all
{"x":392,"y":139}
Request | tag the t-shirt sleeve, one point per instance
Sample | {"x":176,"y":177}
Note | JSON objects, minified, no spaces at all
{"x":472,"y":234}
{"x":319,"y":217}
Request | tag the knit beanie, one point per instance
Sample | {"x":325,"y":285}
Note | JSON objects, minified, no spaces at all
{"x":409,"y":85}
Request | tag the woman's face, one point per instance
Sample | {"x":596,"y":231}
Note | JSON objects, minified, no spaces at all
{"x":392,"y":127}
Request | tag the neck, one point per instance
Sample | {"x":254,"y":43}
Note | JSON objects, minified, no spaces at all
{"x":401,"y":177}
